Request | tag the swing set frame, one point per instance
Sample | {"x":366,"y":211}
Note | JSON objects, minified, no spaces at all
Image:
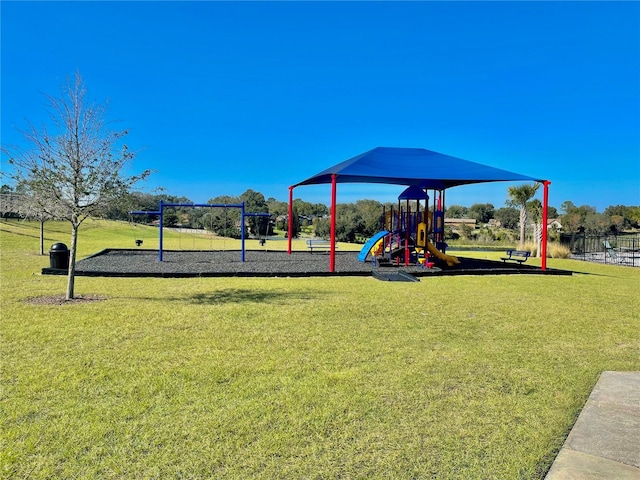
{"x":163,"y":205}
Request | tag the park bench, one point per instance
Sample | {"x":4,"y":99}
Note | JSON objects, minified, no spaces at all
{"x":519,"y":256}
{"x":324,"y":245}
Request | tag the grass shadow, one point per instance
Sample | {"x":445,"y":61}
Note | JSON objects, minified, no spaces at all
{"x":27,"y":230}
{"x":241,"y":295}
{"x":34,"y":236}
{"x":593,"y":274}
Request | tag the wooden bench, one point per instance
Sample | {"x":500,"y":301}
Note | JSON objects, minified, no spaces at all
{"x":324,"y":245}
{"x":519,"y":256}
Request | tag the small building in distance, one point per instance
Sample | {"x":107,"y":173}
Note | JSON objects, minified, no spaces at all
{"x":459,"y":222}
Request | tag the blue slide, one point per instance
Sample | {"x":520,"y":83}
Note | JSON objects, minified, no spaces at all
{"x":364,"y":253}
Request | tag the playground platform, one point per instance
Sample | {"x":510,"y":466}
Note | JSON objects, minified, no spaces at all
{"x":261,"y":263}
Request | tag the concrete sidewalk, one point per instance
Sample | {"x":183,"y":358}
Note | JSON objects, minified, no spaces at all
{"x":604,"y":443}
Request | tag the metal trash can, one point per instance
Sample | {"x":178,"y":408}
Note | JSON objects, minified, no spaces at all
{"x":59,"y":256}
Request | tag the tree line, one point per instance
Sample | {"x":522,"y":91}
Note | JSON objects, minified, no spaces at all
{"x":220,"y":221}
{"x":574,"y":219}
{"x":354,"y":221}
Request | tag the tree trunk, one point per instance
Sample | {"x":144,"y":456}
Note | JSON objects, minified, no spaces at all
{"x":72,"y":261}
{"x":538,"y":238}
{"x":523,"y":225}
{"x":41,"y":237}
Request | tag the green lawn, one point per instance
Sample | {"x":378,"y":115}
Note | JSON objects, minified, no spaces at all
{"x":452,"y":377}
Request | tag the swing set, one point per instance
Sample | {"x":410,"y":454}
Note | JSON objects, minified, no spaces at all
{"x":241,"y":206}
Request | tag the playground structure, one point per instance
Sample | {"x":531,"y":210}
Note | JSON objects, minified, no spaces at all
{"x":160,"y":213}
{"x":419,"y":167}
{"x":404,"y":235}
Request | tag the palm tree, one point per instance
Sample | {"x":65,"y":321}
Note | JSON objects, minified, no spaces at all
{"x":535,"y":210}
{"x":518,"y":198}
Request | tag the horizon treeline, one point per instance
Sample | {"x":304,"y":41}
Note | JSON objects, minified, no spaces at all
{"x":354,"y":220}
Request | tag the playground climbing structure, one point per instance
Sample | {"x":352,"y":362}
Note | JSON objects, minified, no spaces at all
{"x":404,"y":237}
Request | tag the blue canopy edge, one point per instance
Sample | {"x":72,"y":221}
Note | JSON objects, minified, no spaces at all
{"x":413,"y":167}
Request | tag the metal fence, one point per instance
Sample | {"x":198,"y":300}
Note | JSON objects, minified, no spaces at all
{"x":622,"y":249}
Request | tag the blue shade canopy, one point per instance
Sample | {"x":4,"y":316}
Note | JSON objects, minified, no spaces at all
{"x":413,"y":166}
{"x":413,"y":192}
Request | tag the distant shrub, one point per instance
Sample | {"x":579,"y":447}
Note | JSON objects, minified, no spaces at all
{"x":532,"y":247}
{"x":485,"y":236}
{"x":554,"y":250}
{"x":506,"y":236}
{"x":453,"y":236}
{"x":558,"y":250}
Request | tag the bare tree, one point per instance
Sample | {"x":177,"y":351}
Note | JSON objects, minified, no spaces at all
{"x":24,"y":206}
{"x":9,"y":202}
{"x":74,"y":168}
{"x":30,"y":207}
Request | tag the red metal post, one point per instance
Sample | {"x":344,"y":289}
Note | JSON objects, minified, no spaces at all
{"x":545,"y":211}
{"x":406,"y":236}
{"x":332,"y":257}
{"x":290,"y":220}
{"x":442,"y":206}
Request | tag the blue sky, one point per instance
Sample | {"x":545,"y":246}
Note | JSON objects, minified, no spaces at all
{"x":224,"y":96}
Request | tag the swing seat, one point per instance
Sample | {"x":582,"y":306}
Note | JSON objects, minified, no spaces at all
{"x":138,"y":242}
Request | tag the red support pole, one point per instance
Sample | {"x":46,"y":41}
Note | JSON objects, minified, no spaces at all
{"x":442,"y":206}
{"x":406,"y":236}
{"x":545,"y":212}
{"x":332,"y":257}
{"x":290,"y":220}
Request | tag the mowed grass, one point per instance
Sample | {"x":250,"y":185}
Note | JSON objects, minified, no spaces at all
{"x":452,"y":377}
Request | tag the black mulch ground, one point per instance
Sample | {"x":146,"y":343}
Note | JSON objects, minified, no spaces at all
{"x":144,"y":263}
